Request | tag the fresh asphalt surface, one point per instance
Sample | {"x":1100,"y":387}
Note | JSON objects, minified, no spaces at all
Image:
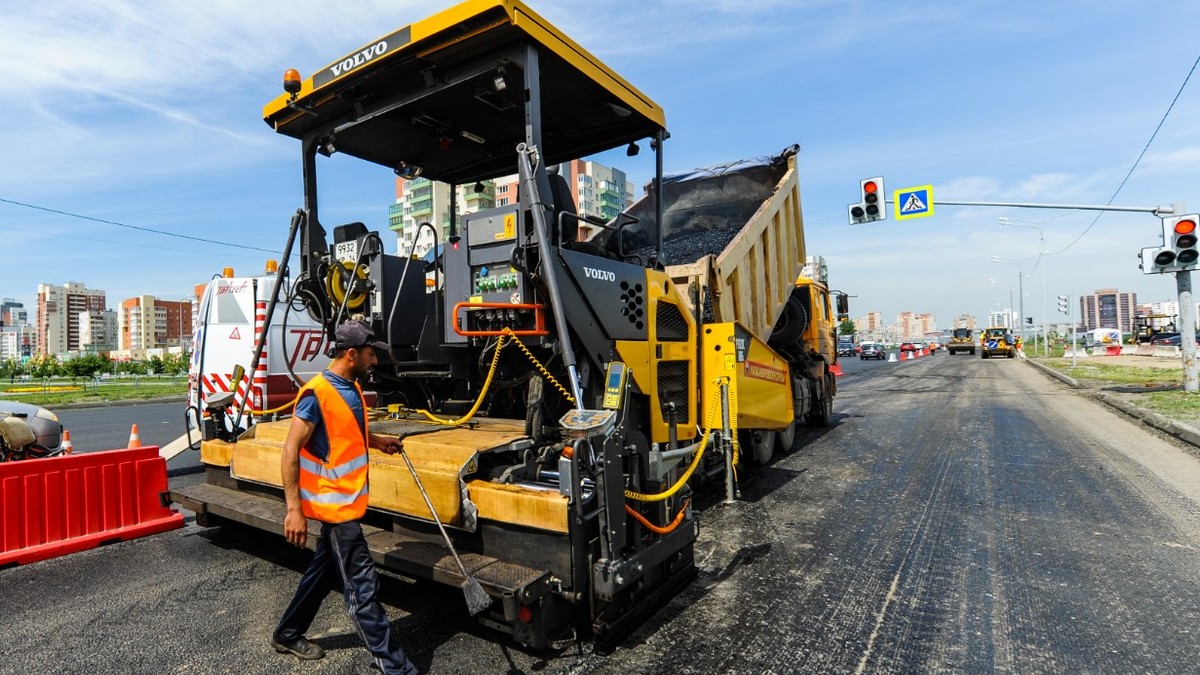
{"x":961,"y":515}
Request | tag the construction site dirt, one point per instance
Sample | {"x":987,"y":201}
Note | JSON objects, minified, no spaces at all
{"x":960,"y":516}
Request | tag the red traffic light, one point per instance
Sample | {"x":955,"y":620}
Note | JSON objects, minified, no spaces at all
{"x":1185,"y":226}
{"x":871,"y":188}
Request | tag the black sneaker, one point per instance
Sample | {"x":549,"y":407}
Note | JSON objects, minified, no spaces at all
{"x":302,"y":648}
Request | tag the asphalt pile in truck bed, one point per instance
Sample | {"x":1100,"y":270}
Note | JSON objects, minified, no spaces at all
{"x":691,"y":246}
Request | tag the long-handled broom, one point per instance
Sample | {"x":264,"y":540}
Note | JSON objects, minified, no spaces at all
{"x":477,"y":599}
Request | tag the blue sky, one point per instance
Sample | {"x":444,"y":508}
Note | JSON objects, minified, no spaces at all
{"x":148,"y":113}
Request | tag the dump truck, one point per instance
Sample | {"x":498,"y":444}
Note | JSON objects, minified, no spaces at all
{"x":559,"y":399}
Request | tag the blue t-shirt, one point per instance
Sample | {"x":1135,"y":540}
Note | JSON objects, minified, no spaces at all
{"x":308,"y":410}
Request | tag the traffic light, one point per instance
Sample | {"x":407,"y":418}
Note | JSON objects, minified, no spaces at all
{"x":871,"y":205}
{"x":1179,"y":233}
{"x":1064,"y":302}
{"x":1179,"y":251}
{"x":1029,"y":320}
{"x":1156,"y":258}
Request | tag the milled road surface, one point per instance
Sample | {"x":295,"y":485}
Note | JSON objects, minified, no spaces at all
{"x":961,"y":516}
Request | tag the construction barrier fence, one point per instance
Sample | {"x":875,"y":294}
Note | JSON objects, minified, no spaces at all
{"x":60,"y":505}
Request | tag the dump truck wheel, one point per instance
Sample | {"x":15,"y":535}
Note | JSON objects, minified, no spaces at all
{"x":792,"y":323}
{"x":762,"y":446}
{"x":822,"y":415}
{"x":785,"y":439}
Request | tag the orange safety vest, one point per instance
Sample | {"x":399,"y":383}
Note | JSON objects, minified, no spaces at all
{"x":336,"y":490}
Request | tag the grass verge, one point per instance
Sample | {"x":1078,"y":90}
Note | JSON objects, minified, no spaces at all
{"x":1117,"y":374}
{"x":66,"y":392}
{"x":1177,"y":405}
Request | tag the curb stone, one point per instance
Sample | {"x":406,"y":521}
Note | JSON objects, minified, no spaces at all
{"x":1070,"y":381}
{"x":1184,"y":432}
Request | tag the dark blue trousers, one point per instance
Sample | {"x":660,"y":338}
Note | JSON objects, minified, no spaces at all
{"x":343,"y":560}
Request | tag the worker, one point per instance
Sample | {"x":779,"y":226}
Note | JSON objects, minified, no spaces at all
{"x":324,"y":465}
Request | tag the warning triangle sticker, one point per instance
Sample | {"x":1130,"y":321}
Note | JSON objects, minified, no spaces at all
{"x":235,"y":335}
{"x":913,"y":203}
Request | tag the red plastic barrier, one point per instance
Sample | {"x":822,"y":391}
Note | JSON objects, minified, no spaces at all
{"x":52,"y":507}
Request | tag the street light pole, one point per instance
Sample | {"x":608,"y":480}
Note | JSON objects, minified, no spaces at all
{"x":1020,"y":288}
{"x":1042,"y":262}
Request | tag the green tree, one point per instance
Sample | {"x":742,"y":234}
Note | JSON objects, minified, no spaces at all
{"x":847,"y":327}
{"x":43,"y":366}
{"x":176,"y":364}
{"x":155,"y":364}
{"x":84,"y":366}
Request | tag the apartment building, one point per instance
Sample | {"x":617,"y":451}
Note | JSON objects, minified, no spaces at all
{"x":149,"y":323}
{"x":58,"y":309}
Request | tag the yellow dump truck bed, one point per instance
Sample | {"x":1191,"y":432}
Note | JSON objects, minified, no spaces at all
{"x":750,"y":278}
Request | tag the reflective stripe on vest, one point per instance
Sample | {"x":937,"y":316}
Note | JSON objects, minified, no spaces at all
{"x":336,"y":490}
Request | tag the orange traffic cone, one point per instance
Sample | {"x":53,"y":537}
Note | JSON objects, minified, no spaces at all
{"x":67,"y":447}
{"x":836,"y":369}
{"x":134,"y":440}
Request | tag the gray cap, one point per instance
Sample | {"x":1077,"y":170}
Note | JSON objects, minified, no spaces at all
{"x":353,"y":334}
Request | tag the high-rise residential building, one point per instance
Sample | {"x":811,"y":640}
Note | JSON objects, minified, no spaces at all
{"x":58,"y":315}
{"x":421,"y":200}
{"x":906,"y":325}
{"x":964,"y":321}
{"x":17,"y":336}
{"x":12,"y":313}
{"x":149,"y":323}
{"x":1107,"y":308}
{"x":598,"y":190}
{"x":1006,"y":317}
{"x":10,"y":344}
{"x":869,"y":326}
{"x":98,"y":331}
{"x":926,"y":324}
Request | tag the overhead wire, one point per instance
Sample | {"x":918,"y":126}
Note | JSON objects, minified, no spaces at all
{"x":1137,"y":161}
{"x":75,"y":237}
{"x":133,"y":227}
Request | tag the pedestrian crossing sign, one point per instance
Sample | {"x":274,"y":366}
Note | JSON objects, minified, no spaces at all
{"x":913,"y":202}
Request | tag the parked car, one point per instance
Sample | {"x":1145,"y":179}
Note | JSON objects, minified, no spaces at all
{"x":1170,"y":341}
{"x":908,"y":347}
{"x":846,"y":349}
{"x":872,"y":351}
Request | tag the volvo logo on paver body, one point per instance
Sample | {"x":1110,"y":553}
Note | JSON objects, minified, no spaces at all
{"x":602,"y":275}
{"x":355,"y":60}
